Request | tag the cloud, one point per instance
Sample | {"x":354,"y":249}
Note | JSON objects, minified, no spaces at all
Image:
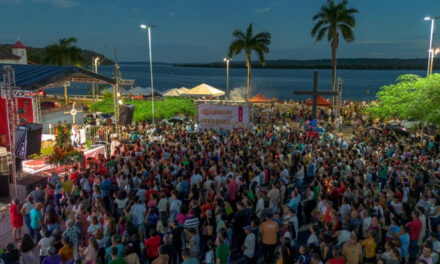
{"x":263,"y":10}
{"x":171,"y":14}
{"x":57,"y":3}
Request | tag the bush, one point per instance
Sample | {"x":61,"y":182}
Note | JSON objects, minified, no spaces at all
{"x":163,"y":109}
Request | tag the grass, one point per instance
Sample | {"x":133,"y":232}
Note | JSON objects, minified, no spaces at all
{"x":166,"y":108}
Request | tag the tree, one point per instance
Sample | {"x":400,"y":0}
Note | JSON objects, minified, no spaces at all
{"x":411,"y":98}
{"x":247,"y":42}
{"x":334,"y":20}
{"x":64,"y":53}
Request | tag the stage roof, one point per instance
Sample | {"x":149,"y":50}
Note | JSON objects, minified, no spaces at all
{"x":30,"y":77}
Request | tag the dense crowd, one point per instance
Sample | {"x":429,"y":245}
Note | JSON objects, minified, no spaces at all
{"x":274,"y":192}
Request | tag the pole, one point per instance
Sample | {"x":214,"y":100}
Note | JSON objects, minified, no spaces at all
{"x":431,"y":63}
{"x":151,"y":74}
{"x":66,"y":99}
{"x":430,"y":46}
{"x":227,"y":79}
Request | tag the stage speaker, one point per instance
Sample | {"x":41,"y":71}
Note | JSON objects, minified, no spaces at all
{"x":28,"y":140}
{"x":126,"y":114}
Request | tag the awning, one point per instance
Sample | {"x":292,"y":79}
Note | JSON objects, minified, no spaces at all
{"x":176,"y":91}
{"x":31,"y":77}
{"x":204,"y":90}
{"x":259,"y":98}
{"x":319,"y":102}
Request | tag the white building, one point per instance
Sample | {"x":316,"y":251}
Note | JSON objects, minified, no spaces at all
{"x":17,"y":56}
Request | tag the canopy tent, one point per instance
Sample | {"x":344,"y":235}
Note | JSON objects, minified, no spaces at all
{"x":203,"y":90}
{"x":259,"y":98}
{"x":175,"y":91}
{"x":31,"y":77}
{"x":155,"y":93}
{"x":137,"y":91}
{"x":320,"y":101}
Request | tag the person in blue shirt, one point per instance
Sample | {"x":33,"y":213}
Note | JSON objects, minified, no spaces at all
{"x":116,"y":242}
{"x":36,"y":220}
{"x":105,"y":187}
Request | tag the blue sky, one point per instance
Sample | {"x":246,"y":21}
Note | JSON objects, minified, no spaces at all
{"x":201,"y":30}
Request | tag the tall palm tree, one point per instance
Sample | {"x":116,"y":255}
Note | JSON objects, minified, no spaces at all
{"x":247,"y":42}
{"x":64,"y":53}
{"x":334,"y":20}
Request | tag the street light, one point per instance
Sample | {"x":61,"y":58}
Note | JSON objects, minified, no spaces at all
{"x":227,"y":60}
{"x":95,"y":64}
{"x":430,"y":41}
{"x":151,"y":68}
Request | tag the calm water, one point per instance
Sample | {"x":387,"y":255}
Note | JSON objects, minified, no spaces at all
{"x":270,"y":82}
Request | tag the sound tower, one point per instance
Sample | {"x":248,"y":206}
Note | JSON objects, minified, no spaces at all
{"x":126,"y":114}
{"x":28,"y":140}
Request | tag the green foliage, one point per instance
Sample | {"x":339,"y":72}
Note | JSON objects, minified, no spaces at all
{"x":63,"y":151}
{"x":411,"y":98}
{"x":43,"y":153}
{"x":334,"y":20}
{"x":165,"y":108}
{"x":64,"y":52}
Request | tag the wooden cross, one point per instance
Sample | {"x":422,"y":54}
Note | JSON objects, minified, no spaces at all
{"x":73,"y":112}
{"x":315,"y":93}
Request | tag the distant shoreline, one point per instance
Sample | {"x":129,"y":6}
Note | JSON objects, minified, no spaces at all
{"x":343,"y":64}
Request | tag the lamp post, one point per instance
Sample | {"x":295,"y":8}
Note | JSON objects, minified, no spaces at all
{"x":95,"y":68}
{"x":227,"y":60}
{"x":151,"y":69}
{"x":430,"y":41}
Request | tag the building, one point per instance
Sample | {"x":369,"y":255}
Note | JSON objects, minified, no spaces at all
{"x":18,"y":54}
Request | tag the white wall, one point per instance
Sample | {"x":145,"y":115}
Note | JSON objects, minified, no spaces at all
{"x":22,"y":54}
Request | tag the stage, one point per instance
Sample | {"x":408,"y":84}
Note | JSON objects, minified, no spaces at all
{"x":38,"y":166}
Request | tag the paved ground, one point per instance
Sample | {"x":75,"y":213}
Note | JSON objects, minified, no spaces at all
{"x":54,"y":117}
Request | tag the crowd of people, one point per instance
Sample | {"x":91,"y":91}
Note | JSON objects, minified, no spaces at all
{"x":271,"y":193}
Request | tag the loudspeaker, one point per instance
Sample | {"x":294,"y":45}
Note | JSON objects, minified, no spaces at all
{"x":126,"y":114}
{"x":28,"y":140}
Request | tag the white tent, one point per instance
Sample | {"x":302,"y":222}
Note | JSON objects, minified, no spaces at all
{"x":204,"y":90}
{"x":175,"y":91}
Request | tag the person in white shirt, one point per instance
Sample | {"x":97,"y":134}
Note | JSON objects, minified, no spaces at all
{"x":249,"y":244}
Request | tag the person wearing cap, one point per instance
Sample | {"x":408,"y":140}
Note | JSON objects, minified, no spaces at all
{"x":249,"y":245}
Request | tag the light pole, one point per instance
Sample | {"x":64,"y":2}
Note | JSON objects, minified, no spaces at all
{"x":151,"y":69}
{"x":95,"y":68}
{"x":430,"y":41}
{"x":227,"y":60}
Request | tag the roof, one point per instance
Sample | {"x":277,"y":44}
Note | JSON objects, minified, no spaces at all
{"x":176,"y":91}
{"x":18,"y":45}
{"x":259,"y":98}
{"x":4,"y":55}
{"x":30,"y":77}
{"x":320,"y":101}
{"x":204,"y":90}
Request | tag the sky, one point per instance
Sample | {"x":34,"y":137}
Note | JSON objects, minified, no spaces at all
{"x":201,"y":30}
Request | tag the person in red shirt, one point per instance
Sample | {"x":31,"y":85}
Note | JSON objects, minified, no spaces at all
{"x":74,"y":175}
{"x":152,"y":245}
{"x":414,"y":228}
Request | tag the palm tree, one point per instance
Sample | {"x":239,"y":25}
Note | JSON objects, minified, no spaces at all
{"x":247,"y":42}
{"x":64,"y":53}
{"x":334,"y":20}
